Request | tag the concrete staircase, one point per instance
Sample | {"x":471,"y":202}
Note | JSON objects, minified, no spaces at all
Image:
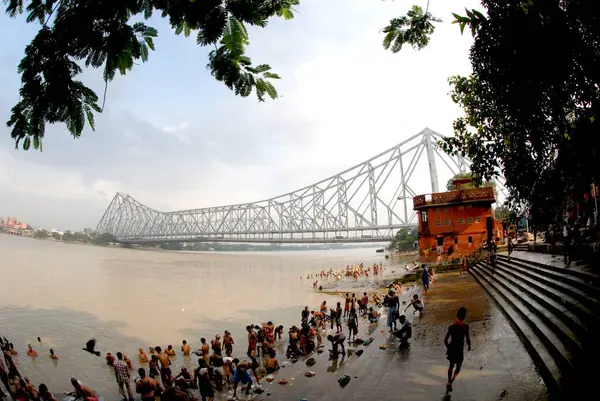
{"x":554,"y":310}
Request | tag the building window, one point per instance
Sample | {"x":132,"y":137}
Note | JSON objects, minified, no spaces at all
{"x":440,"y":241}
{"x":461,"y":207}
{"x":446,"y":209}
{"x":470,"y":240}
{"x":424,"y":217}
{"x":461,"y":220}
{"x":438,"y":223}
{"x":456,"y":241}
{"x":446,"y":222}
{"x":477,"y":220}
{"x":437,"y":209}
{"x":470,"y":220}
{"x":469,"y":206}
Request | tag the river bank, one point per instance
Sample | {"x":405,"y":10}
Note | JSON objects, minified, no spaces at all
{"x":498,"y":367}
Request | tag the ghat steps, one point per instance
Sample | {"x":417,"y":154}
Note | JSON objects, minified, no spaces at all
{"x":554,"y":310}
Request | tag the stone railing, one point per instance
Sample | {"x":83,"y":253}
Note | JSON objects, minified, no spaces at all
{"x":483,"y":193}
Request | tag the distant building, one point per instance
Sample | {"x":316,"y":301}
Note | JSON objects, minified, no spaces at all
{"x":455,"y":222}
{"x":11,"y":223}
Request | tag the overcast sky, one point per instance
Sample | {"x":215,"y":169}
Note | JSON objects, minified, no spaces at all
{"x":174,"y":138}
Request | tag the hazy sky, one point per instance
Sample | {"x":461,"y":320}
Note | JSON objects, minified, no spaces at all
{"x":174,"y":138}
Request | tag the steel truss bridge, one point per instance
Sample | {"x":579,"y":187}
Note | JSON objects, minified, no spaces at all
{"x":365,"y":203}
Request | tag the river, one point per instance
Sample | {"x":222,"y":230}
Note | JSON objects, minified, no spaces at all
{"x":127,"y":299}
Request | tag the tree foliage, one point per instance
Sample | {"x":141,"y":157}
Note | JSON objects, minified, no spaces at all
{"x":106,"y":34}
{"x":467,"y":175}
{"x":414,"y":29}
{"x":41,"y":234}
{"x":532,"y":101}
{"x":404,"y":240}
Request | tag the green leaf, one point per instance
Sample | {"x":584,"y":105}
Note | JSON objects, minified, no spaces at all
{"x":149,"y":42}
{"x":271,"y":91}
{"x":235,"y":37}
{"x":90,"y":117}
{"x":144,"y":52}
{"x":37,"y":143}
{"x":271,"y":75}
{"x":26,"y":143}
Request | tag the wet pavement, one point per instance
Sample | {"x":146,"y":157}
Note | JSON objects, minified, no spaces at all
{"x":497,"y":368}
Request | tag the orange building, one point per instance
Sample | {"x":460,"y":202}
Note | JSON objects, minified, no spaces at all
{"x":455,"y":222}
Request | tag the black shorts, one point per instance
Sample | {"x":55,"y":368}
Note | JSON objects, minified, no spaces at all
{"x":455,"y":356}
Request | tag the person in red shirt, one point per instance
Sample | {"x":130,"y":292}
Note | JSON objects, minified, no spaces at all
{"x":457,"y":333}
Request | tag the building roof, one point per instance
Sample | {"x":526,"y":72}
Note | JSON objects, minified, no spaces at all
{"x":457,"y":197}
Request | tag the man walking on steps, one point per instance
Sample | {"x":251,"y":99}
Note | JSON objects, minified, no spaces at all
{"x":457,"y":333}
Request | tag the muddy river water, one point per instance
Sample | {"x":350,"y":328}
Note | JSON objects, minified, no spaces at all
{"x":126,"y":299}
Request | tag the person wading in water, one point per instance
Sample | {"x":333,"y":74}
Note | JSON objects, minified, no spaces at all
{"x":457,"y":333}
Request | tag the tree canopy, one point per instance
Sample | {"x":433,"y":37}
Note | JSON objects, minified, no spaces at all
{"x":532,"y":101}
{"x":404,"y":240}
{"x":464,"y":175}
{"x":110,"y":35}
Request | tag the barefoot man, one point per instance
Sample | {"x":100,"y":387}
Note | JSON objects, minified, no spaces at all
{"x":165,"y":370}
{"x":457,"y":333}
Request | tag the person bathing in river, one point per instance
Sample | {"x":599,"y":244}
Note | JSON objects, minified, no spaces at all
{"x":216,"y":362}
{"x":271,"y":363}
{"x":170,"y":351}
{"x":228,"y":343}
{"x":53,"y":355}
{"x":123,"y":377}
{"x":128,"y":362}
{"x":31,"y":352}
{"x":165,"y":370}
{"x":142,"y":357}
{"x":241,"y":375}
{"x":305,"y":315}
{"x":205,"y":350}
{"x":216,"y":344}
{"x":279,"y":332}
{"x":153,"y":367}
{"x":252,"y":340}
{"x":110,"y":360}
{"x":82,"y":391}
{"x":185,"y":348}
{"x":145,"y":386}
{"x":45,"y":394}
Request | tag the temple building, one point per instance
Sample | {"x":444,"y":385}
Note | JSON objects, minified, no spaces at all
{"x":455,"y":222}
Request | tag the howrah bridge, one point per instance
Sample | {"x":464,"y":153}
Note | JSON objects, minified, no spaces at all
{"x":365,"y":203}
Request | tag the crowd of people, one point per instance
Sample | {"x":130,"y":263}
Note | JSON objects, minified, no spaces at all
{"x":218,"y":370}
{"x":351,"y":271}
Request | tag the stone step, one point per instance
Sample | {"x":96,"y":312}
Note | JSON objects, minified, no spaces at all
{"x":548,"y":298}
{"x":552,"y":318}
{"x":586,"y":284}
{"x":590,"y":278}
{"x":531,"y":336}
{"x":562,"y":286}
{"x":573,"y":306}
